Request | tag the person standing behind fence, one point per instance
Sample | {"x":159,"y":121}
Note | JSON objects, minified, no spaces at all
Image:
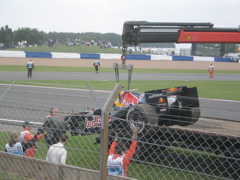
{"x":53,"y":112}
{"x":54,"y":126}
{"x":25,"y":136}
{"x":211,"y":71}
{"x":30,"y":67}
{"x":118,"y":161}
{"x":96,"y":63}
{"x":16,"y":147}
{"x":56,"y":152}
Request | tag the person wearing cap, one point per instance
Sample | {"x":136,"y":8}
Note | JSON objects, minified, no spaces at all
{"x":25,"y":136}
{"x":118,"y":161}
{"x":30,"y":67}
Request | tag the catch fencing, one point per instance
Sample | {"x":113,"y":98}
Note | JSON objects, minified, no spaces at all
{"x":204,"y":150}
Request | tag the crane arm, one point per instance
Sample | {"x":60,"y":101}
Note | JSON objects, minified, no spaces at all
{"x":136,"y":32}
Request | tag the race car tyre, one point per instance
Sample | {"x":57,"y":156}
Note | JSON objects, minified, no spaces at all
{"x":144,"y":117}
{"x":192,"y":116}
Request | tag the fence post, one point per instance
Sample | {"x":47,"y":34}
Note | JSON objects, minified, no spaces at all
{"x":104,"y":130}
{"x":7,"y":90}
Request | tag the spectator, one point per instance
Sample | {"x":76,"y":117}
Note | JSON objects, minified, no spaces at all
{"x":130,"y":51}
{"x":30,"y":67}
{"x":57,"y":153}
{"x":16,"y":147}
{"x":211,"y":71}
{"x":54,"y":126}
{"x":96,"y":63}
{"x":53,"y":112}
{"x":25,"y":136}
{"x":118,"y":161}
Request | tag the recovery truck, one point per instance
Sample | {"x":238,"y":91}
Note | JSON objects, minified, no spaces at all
{"x":165,"y":116}
{"x":136,"y":32}
{"x":223,"y":147}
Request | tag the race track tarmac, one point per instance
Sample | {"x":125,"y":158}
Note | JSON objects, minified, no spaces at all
{"x":8,"y":76}
{"x":221,"y":109}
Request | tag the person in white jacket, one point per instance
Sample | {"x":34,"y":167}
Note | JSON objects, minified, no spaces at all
{"x":56,"y":152}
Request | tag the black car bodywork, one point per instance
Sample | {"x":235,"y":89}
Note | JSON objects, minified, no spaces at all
{"x":170,"y":106}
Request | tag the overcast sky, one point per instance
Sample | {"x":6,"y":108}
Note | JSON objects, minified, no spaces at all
{"x":108,"y":16}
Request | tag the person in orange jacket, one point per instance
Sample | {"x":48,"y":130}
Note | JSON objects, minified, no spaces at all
{"x":15,"y":147}
{"x":123,"y":58}
{"x":118,"y":161}
{"x":25,"y":135}
{"x":211,"y":70}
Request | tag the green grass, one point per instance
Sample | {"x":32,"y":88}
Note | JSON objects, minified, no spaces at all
{"x":8,"y":176}
{"x":86,"y":155}
{"x":206,"y":89}
{"x":70,"y":49}
{"x":103,"y":69}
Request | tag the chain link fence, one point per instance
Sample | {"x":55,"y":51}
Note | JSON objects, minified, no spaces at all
{"x":207,"y":149}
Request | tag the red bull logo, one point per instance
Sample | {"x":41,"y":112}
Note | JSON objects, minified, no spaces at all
{"x":128,"y":98}
{"x":161,"y":100}
{"x":172,"y":89}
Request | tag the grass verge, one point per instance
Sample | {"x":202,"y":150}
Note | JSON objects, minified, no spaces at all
{"x":90,"y":158}
{"x":103,"y":69}
{"x":206,"y":89}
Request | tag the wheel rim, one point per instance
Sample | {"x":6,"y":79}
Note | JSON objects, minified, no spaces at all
{"x":136,"y":121}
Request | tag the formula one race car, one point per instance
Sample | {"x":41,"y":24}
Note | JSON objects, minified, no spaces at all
{"x":171,"y":106}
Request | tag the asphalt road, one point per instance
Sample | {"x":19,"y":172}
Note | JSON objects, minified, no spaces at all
{"x":43,"y":98}
{"x":111,"y":76}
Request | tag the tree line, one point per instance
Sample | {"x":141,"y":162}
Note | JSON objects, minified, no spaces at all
{"x":33,"y":36}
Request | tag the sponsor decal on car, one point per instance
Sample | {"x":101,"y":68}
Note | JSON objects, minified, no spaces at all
{"x":128,"y":98}
{"x":172,"y":89}
{"x":163,"y":110}
{"x":155,"y":95}
{"x":95,"y":122}
{"x":161,"y":100}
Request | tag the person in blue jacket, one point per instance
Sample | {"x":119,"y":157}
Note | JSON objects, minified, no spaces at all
{"x":30,"y":67}
{"x":96,"y":63}
{"x":14,"y":146}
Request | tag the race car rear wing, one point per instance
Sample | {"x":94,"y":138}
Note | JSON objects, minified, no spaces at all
{"x":188,"y":96}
